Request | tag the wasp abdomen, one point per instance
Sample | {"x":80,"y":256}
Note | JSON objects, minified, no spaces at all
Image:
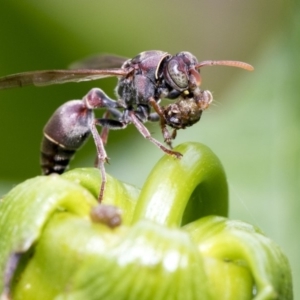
{"x":66,"y":131}
{"x":54,"y":157}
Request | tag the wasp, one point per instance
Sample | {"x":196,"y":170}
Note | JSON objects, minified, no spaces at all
{"x":143,"y":81}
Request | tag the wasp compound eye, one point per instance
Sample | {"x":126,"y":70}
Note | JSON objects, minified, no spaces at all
{"x":178,"y":73}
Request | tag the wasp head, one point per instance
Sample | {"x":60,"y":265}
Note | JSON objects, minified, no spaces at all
{"x":181,"y":73}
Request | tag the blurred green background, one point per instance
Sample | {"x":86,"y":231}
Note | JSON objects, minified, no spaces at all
{"x":253,"y":125}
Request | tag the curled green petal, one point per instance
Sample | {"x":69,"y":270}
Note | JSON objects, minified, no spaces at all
{"x":178,"y":191}
{"x":22,"y":220}
{"x":241,"y":245}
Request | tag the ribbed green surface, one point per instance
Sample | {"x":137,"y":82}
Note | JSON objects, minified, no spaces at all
{"x":64,"y":255}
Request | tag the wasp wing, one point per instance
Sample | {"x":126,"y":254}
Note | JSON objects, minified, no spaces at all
{"x":48,"y":77}
{"x":99,"y":61}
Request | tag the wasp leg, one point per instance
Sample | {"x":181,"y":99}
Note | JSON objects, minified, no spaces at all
{"x":107,"y":124}
{"x":146,"y":134}
{"x":105,"y":129}
{"x":110,"y":124}
{"x":96,"y":99}
{"x":165,"y":132}
{"x":101,"y":158}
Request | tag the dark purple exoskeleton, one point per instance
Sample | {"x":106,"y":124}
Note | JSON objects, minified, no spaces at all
{"x":142,"y":82}
{"x":65,"y":133}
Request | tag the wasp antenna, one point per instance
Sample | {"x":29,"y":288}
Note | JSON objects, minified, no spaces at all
{"x":229,"y":63}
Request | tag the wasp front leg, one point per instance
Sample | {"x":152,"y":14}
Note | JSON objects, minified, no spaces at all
{"x":135,"y":119}
{"x":159,"y":116}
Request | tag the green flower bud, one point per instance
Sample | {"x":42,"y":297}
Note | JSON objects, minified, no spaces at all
{"x":174,"y":242}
